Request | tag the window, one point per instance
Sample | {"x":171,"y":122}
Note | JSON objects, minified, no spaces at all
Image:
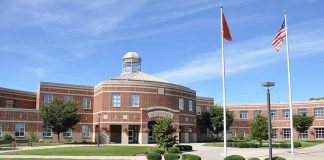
{"x":243,"y":114}
{"x":256,"y":113}
{"x":286,"y":133}
{"x":116,"y":100}
{"x":319,"y":132}
{"x":233,"y":132}
{"x":285,"y":113}
{"x":68,"y":98}
{"x":48,"y":98}
{"x":86,"y":103}
{"x":302,"y":111}
{"x":274,"y":133}
{"x":198,"y":110}
{"x":0,"y":129}
{"x":85,"y":131}
{"x":47,"y":132}
{"x":68,"y":133}
{"x":273,"y":113}
{"x":318,"y":112}
{"x":20,"y":130}
{"x":181,"y":104}
{"x":135,"y":100}
{"x":10,"y":103}
{"x":303,"y":135}
{"x":190,"y":105}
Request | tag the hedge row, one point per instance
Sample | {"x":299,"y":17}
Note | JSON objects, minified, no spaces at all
{"x":238,"y":157}
{"x":254,"y":145}
{"x":190,"y":157}
{"x":242,"y":144}
{"x":184,"y":147}
{"x":171,"y":156}
{"x":153,"y":156}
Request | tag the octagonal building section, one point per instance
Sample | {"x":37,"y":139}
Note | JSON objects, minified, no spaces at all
{"x":129,"y":105}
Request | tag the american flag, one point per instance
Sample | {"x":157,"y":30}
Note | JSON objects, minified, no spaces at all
{"x":278,"y":40}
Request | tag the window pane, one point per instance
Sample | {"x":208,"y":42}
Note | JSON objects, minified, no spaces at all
{"x":273,"y":113}
{"x":243,"y":114}
{"x":68,"y":98}
{"x":190,"y":105}
{"x":48,"y":98}
{"x":116,"y":100}
{"x":181,"y":104}
{"x":198,"y":110}
{"x":286,"y":113}
{"x":135,"y":100}
{"x":85,"y":131}
{"x":86,"y":103}
{"x":20,"y":130}
{"x":301,"y":111}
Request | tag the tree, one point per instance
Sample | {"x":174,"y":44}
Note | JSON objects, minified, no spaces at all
{"x":213,"y":119}
{"x":259,"y":129}
{"x":60,"y":116}
{"x":302,"y":122}
{"x":164,"y":133}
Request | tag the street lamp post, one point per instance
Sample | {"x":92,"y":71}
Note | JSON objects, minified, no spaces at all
{"x":99,"y":114}
{"x":268,"y":85}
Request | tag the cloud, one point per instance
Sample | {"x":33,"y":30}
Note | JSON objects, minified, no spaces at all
{"x":249,"y":54}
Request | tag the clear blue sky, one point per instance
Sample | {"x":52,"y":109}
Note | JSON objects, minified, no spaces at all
{"x":82,"y":42}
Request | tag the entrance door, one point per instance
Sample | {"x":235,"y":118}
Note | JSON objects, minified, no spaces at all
{"x":150,"y":132}
{"x":131,"y":136}
{"x":133,"y":131}
{"x":115,"y":131}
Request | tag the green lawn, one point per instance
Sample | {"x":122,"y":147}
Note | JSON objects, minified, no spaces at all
{"x":35,"y":144}
{"x":304,"y":144}
{"x":86,"y":151}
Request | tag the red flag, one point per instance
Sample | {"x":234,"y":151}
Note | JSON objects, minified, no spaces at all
{"x":226,"y":32}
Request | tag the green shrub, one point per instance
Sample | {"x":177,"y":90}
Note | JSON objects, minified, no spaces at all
{"x":190,"y":157}
{"x":229,"y":144}
{"x":184,"y":147}
{"x":171,"y":156}
{"x":235,"y":144}
{"x":276,"y":158}
{"x":275,"y":145}
{"x":284,"y":145}
{"x":156,"y":150}
{"x":32,"y":137}
{"x":297,"y":144}
{"x":153,"y":156}
{"x":7,"y":137}
{"x":234,"y":157}
{"x":253,"y":145}
{"x":243,"y":145}
{"x":254,"y":158}
{"x":173,"y":150}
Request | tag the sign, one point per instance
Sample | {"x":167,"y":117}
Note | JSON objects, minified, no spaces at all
{"x":160,"y":114}
{"x":161,"y":91}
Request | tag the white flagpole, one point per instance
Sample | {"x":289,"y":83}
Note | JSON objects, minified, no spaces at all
{"x":223,"y":78}
{"x":289,"y":88}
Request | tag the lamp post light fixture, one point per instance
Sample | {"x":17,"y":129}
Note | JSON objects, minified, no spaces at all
{"x":99,"y":114}
{"x":268,"y":85}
